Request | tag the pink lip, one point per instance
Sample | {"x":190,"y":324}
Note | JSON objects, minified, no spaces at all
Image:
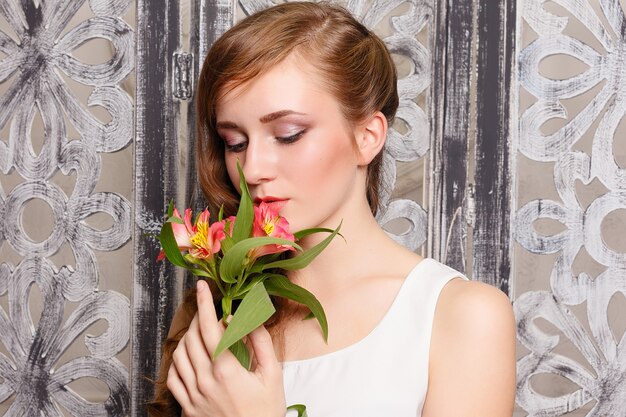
{"x":268,"y":199}
{"x":274,"y":202}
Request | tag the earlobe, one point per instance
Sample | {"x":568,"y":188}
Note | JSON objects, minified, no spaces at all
{"x":371,"y":138}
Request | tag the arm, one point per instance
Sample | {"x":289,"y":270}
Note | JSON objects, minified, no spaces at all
{"x":472,"y":356}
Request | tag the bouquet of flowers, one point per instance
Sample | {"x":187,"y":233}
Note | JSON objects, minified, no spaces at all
{"x":245,"y":256}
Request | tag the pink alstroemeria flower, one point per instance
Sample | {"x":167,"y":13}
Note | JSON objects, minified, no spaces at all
{"x":267,"y":222}
{"x":182,"y":233}
{"x":207,"y":238}
{"x":201,"y":240}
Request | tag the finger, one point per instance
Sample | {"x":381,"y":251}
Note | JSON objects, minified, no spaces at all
{"x":196,"y":349}
{"x":210,"y":329}
{"x":248,"y":343}
{"x":184,"y":367}
{"x":264,"y":351}
{"x":177,"y":387}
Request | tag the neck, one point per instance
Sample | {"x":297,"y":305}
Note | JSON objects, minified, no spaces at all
{"x":361,"y":252}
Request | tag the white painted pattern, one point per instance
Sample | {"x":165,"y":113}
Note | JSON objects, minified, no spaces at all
{"x":32,"y":374}
{"x":606,"y":383}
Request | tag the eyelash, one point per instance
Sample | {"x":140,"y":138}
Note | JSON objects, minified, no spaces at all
{"x":291,"y":139}
{"x":236,"y":148}
{"x":285,"y":140}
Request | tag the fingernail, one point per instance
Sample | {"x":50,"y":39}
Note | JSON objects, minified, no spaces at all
{"x":201,"y":285}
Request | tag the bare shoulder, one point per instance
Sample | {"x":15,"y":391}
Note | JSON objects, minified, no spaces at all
{"x":471,"y":303}
{"x":472,"y":356}
{"x":473,"y":314}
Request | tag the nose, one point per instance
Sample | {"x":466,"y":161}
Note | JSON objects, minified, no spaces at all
{"x":259,"y":165}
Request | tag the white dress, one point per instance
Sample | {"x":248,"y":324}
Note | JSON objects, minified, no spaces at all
{"x":385,"y":374}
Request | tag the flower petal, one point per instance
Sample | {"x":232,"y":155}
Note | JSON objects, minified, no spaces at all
{"x":217,"y":234}
{"x":190,"y":228}
{"x":181,"y":233}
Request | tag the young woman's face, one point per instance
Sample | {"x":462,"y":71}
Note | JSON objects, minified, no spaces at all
{"x":293,"y":143}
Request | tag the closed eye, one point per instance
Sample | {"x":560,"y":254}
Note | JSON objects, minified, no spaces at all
{"x":236,"y":147}
{"x":292,"y":138}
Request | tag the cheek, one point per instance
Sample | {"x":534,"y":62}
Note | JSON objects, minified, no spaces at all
{"x":324,"y":165}
{"x":309,"y":166}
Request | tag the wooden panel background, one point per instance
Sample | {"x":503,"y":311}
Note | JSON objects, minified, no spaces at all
{"x":480,"y":120}
{"x":156,"y":293}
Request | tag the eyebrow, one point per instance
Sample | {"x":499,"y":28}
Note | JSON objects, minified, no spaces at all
{"x":264,"y":119}
{"x":277,"y":115}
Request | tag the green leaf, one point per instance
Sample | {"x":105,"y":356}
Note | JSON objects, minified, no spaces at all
{"x":170,"y":208}
{"x":234,"y":261}
{"x":254,"y":310}
{"x":226,"y":244}
{"x":260,"y":262}
{"x":201,"y":273}
{"x":254,"y":278}
{"x":302,"y":260}
{"x":281,"y":286}
{"x":175,"y":219}
{"x":168,"y":243}
{"x":240,"y":351}
{"x":220,"y":215}
{"x":245,"y":213}
{"x":302,"y":233}
{"x":300,"y":408}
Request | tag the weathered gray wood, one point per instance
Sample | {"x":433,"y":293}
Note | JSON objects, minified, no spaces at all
{"x":496,"y":25}
{"x":451,"y":94}
{"x":32,"y":372}
{"x":156,"y":153}
{"x":603,"y":382}
{"x":472,"y":65}
{"x":209,"y":20}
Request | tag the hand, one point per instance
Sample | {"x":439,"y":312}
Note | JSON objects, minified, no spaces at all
{"x":222,"y":387}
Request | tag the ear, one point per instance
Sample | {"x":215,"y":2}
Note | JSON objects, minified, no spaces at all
{"x":370,"y":137}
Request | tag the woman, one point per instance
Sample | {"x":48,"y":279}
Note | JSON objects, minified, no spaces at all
{"x":302,"y":95}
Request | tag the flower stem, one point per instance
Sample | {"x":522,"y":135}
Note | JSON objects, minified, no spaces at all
{"x":211,"y":269}
{"x":226,"y":306}
{"x":219,"y":285}
{"x":241,"y":280}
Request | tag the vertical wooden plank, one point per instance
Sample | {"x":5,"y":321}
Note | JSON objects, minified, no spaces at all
{"x":156,"y":174}
{"x":494,"y":68}
{"x":209,"y":20}
{"x":451,"y":113}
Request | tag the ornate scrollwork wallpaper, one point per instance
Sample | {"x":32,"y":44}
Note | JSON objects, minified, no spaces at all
{"x":582,"y":145}
{"x":34,"y":65}
{"x":569,"y":174}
